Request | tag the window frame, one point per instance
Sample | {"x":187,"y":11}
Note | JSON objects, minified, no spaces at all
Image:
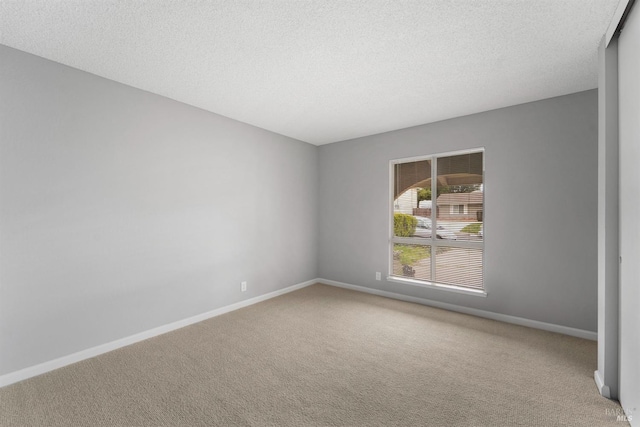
{"x":433,"y":242}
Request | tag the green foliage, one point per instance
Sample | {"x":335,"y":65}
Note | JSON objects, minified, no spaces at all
{"x":411,"y":254}
{"x":404,"y":225}
{"x":472,"y":228}
{"x":424,"y":194}
{"x":445,"y":189}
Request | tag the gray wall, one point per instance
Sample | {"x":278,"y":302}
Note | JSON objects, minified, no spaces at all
{"x":629,"y":134}
{"x":121,"y":210}
{"x":540,"y":204}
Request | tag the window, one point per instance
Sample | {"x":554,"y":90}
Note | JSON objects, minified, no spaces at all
{"x":438,"y":240}
{"x":457,"y":209}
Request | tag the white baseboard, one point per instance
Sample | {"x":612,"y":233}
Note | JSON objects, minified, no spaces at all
{"x":51,"y":365}
{"x":60,"y":362}
{"x":602,"y":389}
{"x":580,"y":333}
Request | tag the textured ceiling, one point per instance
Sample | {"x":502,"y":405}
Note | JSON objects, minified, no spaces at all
{"x":322,"y":70}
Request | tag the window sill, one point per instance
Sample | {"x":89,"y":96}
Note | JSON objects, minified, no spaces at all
{"x":439,"y":286}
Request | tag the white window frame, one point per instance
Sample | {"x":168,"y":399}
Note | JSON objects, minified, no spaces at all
{"x":433,"y":242}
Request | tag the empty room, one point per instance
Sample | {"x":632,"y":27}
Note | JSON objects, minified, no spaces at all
{"x":319,"y":213}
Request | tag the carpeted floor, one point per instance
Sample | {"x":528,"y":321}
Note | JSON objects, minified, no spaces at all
{"x":325,"y":356}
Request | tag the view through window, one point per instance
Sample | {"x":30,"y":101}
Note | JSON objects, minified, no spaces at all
{"x":438,"y":214}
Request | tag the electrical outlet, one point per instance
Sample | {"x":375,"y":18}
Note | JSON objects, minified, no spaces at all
{"x":243,"y":286}
{"x":378,"y":275}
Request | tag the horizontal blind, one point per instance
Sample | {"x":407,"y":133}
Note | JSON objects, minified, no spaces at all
{"x":459,"y":266}
{"x":433,"y":208}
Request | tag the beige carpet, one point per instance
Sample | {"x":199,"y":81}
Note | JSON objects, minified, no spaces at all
{"x":324,"y":356}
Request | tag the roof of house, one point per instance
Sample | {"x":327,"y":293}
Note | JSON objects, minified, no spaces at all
{"x":460,"y":198}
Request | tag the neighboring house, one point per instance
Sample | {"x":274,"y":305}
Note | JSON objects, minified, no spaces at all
{"x":463,"y":206}
{"x":406,"y":202}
